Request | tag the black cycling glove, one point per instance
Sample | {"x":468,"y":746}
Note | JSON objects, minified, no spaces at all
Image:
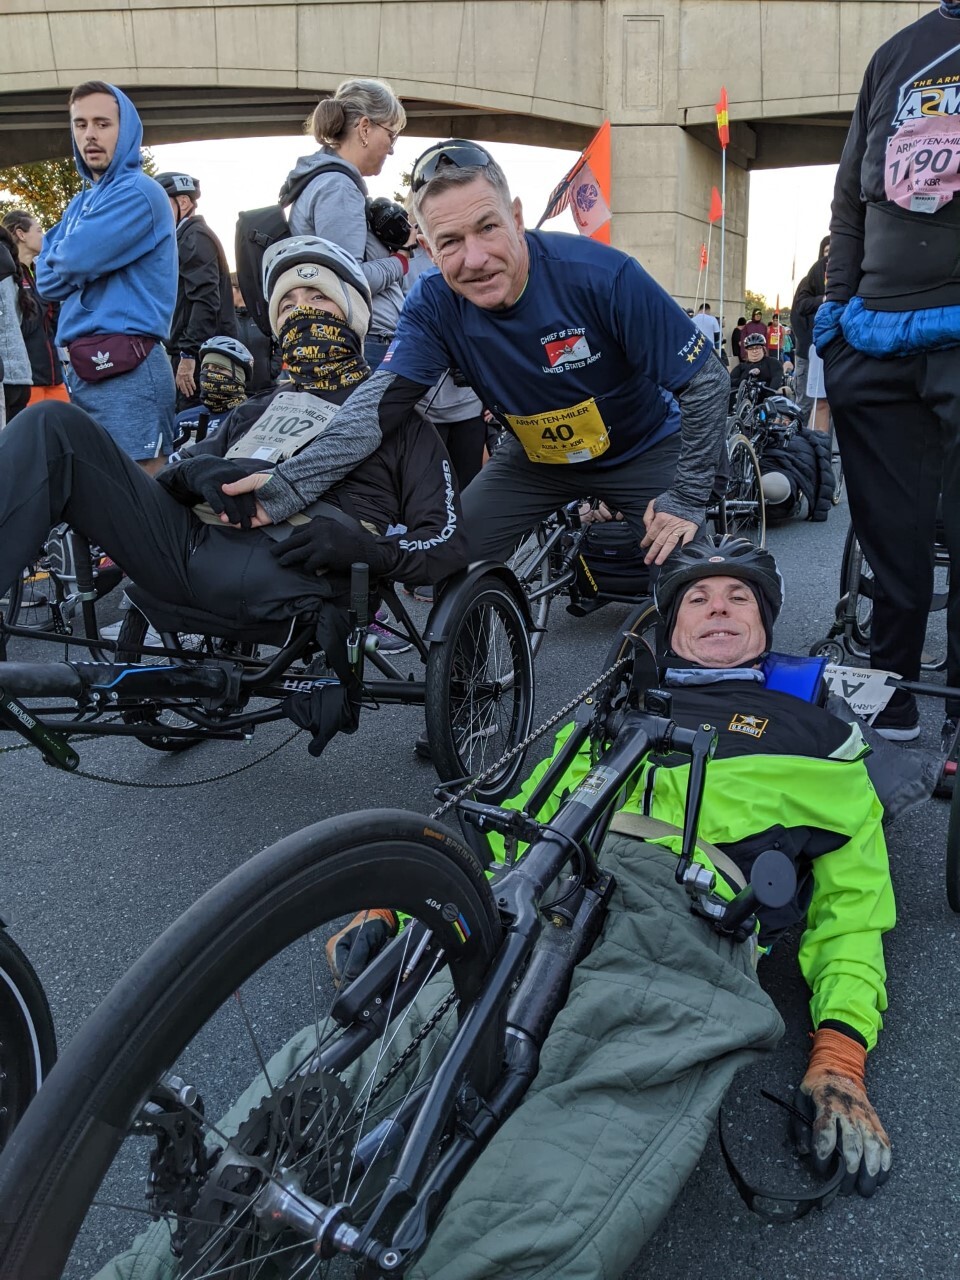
{"x":201,"y":479}
{"x":327,"y":544}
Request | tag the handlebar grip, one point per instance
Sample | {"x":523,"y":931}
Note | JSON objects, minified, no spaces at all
{"x":39,"y":679}
{"x":360,"y":592}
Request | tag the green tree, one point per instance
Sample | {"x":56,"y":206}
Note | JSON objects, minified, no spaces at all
{"x":46,"y":187}
{"x":752,"y":301}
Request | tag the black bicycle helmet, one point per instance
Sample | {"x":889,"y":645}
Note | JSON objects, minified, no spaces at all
{"x":754,"y":340}
{"x":178,"y":184}
{"x":716,"y":556}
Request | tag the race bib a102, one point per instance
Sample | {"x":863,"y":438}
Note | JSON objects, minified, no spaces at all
{"x":290,"y":421}
{"x":569,"y":435}
{"x":922,"y":170}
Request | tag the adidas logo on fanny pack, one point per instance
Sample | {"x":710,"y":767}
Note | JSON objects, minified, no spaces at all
{"x":102,"y":361}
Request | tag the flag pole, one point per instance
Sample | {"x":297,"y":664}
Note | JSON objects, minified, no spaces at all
{"x":706,"y":270}
{"x":723,"y":232}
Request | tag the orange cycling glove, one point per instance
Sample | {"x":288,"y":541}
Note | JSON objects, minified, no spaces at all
{"x":833,"y":1095}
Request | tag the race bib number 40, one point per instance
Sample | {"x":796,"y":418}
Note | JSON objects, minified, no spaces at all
{"x":576,"y":434}
{"x":290,"y":421}
{"x":923,"y":164}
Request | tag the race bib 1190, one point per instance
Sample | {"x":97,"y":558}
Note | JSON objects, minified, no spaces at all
{"x":576,"y":434}
{"x":922,"y":170}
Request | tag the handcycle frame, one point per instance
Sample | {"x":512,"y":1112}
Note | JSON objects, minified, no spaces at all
{"x":221,"y":683}
{"x":543,"y":936}
{"x":531,"y":972}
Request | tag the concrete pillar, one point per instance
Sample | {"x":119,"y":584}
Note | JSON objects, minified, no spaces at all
{"x":662,"y":178}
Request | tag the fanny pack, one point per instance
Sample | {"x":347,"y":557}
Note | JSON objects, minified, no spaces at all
{"x":106,"y":355}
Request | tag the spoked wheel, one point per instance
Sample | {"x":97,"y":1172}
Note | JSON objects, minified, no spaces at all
{"x":215,"y":1076}
{"x":532,"y":565}
{"x":133,"y":645}
{"x":480,"y":689}
{"x":743,"y":512}
{"x":28,"y":1045}
{"x":856,"y":584}
{"x":28,"y":602}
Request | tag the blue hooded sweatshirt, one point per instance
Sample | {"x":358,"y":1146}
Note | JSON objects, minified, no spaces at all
{"x":111,"y":260}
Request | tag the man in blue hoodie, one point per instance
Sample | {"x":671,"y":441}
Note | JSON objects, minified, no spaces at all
{"x":111,"y":262}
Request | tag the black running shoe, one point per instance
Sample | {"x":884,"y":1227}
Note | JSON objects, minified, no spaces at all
{"x":899,"y":721}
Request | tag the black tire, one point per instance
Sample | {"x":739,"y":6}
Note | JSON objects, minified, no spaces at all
{"x":953,"y":851}
{"x":27,"y":601}
{"x":641,"y":625}
{"x":247,"y":936}
{"x":131,"y":643}
{"x":856,"y":582}
{"x":28,"y":1042}
{"x":534,"y":575}
{"x":742,"y":508}
{"x":830,"y":649}
{"x":480,"y":689}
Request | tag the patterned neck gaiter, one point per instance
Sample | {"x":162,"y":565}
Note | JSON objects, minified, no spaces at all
{"x":220,"y":389}
{"x":320,"y":352}
{"x":950,"y":10}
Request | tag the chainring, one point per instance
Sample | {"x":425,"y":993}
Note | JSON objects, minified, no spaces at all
{"x":301,"y":1126}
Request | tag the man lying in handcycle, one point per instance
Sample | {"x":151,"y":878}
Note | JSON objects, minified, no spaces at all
{"x":663,"y":1011}
{"x":194,"y":543}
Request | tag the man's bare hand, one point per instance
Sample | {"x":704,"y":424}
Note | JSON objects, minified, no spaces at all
{"x":664,"y":534}
{"x":248,"y":484}
{"x":186,"y":380}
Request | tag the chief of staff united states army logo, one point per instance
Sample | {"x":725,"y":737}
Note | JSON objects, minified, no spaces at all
{"x":752,"y":725}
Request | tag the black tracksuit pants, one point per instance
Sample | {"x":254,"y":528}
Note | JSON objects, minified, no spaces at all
{"x":898,"y":425}
{"x":57,"y":464}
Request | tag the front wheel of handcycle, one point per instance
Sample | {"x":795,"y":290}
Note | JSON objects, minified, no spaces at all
{"x":28,"y":1044}
{"x":743,"y":511}
{"x":225,"y":1068}
{"x":480,"y":689}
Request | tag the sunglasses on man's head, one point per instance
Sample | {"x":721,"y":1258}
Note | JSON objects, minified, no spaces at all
{"x":456,"y":152}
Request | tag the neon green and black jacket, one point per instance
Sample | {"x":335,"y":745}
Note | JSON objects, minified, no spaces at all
{"x":786,"y":775}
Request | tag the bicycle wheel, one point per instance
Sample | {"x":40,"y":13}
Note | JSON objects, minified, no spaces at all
{"x":133,"y":645}
{"x":480,"y":689}
{"x":231,"y":993}
{"x":742,"y":509}
{"x":28,"y":1043}
{"x":532,"y":567}
{"x":856,"y":583}
{"x":28,"y":601}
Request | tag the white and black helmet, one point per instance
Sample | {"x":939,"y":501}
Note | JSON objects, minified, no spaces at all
{"x":302,"y":251}
{"x":306,"y":260}
{"x":754,"y":340}
{"x":232,"y":349}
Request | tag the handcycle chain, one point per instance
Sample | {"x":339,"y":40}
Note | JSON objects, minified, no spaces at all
{"x":531,"y":737}
{"x":404,"y":1057}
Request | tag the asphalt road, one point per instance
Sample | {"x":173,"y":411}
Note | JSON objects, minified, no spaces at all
{"x":92,"y":873}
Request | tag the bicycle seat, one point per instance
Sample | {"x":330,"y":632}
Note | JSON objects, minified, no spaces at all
{"x":172,"y":618}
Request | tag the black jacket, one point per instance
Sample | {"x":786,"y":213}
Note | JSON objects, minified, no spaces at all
{"x":900,"y":257}
{"x":406,"y":483}
{"x":204,"y":294}
{"x":39,"y":330}
{"x":267,"y":365}
{"x":810,"y":293}
{"x":807,"y":463}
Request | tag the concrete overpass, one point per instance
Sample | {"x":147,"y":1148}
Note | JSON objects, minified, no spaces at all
{"x":545,"y":72}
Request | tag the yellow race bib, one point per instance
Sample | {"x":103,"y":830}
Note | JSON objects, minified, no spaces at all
{"x":576,"y":434}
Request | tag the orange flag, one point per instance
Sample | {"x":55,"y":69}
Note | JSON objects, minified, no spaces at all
{"x":716,"y":206}
{"x":723,"y":120}
{"x":585,"y":189}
